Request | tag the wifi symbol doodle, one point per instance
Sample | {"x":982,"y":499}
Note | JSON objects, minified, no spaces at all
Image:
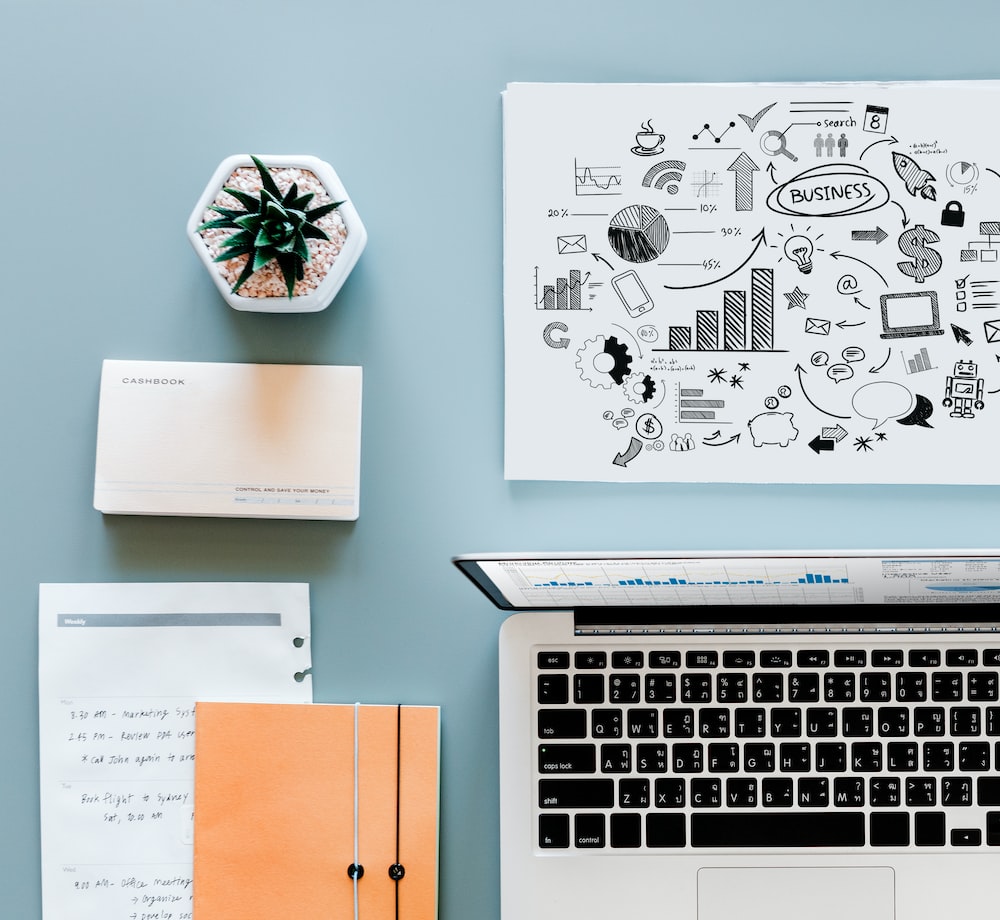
{"x":662,"y":173}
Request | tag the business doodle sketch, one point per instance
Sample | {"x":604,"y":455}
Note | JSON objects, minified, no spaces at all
{"x":752,"y":282}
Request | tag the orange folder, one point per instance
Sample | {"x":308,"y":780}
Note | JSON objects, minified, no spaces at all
{"x":288,"y":797}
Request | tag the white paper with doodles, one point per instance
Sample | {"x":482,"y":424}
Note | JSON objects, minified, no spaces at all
{"x":120,"y":668}
{"x":752,"y":282}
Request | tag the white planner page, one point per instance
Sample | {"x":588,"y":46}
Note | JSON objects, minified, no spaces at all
{"x":120,"y":667}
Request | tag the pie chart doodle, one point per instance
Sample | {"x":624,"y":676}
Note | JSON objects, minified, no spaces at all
{"x":638,"y":233}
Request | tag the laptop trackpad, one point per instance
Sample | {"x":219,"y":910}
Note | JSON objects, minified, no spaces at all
{"x":793,"y":894}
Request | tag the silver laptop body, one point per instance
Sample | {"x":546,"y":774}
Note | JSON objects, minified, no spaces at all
{"x":721,"y":735}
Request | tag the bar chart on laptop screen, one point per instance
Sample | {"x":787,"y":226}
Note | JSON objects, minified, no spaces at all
{"x":651,"y":582}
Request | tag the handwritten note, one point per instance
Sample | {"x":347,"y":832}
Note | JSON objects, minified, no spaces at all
{"x":120,"y":669}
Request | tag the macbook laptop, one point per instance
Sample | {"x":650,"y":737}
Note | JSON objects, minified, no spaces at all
{"x":753,"y":736}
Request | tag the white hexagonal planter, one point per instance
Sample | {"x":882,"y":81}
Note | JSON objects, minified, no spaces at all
{"x":330,"y":262}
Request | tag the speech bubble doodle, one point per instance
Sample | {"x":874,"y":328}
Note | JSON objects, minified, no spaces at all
{"x":853,"y":353}
{"x":608,"y":415}
{"x":881,"y":401}
{"x":922,"y":410}
{"x":628,"y":413}
{"x":819,"y":359}
{"x":647,"y":333}
{"x":619,"y":423}
{"x":838,"y":373}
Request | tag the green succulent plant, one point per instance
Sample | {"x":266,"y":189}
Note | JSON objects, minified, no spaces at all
{"x":272,"y":226}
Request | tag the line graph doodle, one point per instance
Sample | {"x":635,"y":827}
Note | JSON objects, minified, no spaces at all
{"x":597,"y":180}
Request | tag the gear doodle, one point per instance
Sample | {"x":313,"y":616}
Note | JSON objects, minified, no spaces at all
{"x":603,"y":361}
{"x":639,"y":387}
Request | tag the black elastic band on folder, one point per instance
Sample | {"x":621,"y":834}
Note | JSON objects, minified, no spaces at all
{"x":396,"y":870}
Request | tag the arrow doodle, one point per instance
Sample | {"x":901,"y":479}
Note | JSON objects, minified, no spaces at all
{"x":759,"y":237}
{"x":634,"y":449}
{"x":878,"y":234}
{"x":743,"y":168}
{"x":800,"y":370}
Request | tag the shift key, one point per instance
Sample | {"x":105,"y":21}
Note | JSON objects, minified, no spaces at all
{"x":576,"y":793}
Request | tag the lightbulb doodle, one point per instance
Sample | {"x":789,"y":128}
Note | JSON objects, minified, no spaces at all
{"x":805,"y":283}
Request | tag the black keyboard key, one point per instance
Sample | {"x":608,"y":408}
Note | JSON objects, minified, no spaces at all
{"x":626,"y":660}
{"x":838,"y":687}
{"x":661,"y":688}
{"x":590,"y":661}
{"x":687,"y":758}
{"x":665,"y":830}
{"x":876,"y":687}
{"x":767,"y":688}
{"x":696,"y":688}
{"x":993,"y":828}
{"x":911,"y":687}
{"x":597,"y":792}
{"x":966,"y":837}
{"x":921,"y":791}
{"x":786,"y":723}
{"x":993,"y":720}
{"x":961,"y":657}
{"x":850,"y":658}
{"x":642,"y":723}
{"x":626,"y":830}
{"x":706,"y":793}
{"x":562,"y":723}
{"x":814,"y":792}
{"x":812,"y":658}
{"x":723,"y":758}
{"x":668,"y":793}
{"x":731,"y":688}
{"x":889,"y":829}
{"x":702,"y":659}
{"x":887,"y":658}
{"x":928,"y":721}
{"x":777,"y":793}
{"x":738,"y":659}
{"x":794,"y":758}
{"x":678,"y":723}
{"x":588,"y":688}
{"x":893,"y":721}
{"x":982,"y":685}
{"x":866,"y":756}
{"x":988,"y":790}
{"x":759,"y":758}
{"x":939,"y":756}
{"x":885,"y":791}
{"x":553,"y":660}
{"x":956,"y":790}
{"x":965,"y":721}
{"x":924,"y":658}
{"x":553,"y":831}
{"x":741,"y":793}
{"x":669,"y":659}
{"x":803,"y":688}
{"x":714,"y":723}
{"x":567,"y":758}
{"x":902,"y":757}
{"x":749,"y":722}
{"x":928,"y":829}
{"x":606,"y":723}
{"x":633,"y":793}
{"x":991,"y":657}
{"x":858,"y":721}
{"x":651,"y":758}
{"x":616,"y":758}
{"x":946,"y":686}
{"x":588,"y":831}
{"x":848,"y":792}
{"x":831,"y":757}
{"x":778,"y":829}
{"x":974,"y":756}
{"x":776,"y":659}
{"x":553,"y":688}
{"x":821,"y":723}
{"x":624,"y":688}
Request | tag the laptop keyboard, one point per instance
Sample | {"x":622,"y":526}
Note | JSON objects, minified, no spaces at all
{"x":868,"y":746}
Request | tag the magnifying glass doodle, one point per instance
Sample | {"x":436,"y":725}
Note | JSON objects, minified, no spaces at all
{"x":773,"y":143}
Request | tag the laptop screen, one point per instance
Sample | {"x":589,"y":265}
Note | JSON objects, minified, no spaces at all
{"x":844,"y":579}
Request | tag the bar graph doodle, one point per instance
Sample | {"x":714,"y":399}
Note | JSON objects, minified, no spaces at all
{"x":752,"y":282}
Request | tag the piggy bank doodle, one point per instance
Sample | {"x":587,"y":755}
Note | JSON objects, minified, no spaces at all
{"x":772,"y":428}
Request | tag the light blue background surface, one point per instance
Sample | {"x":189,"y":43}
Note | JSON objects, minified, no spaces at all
{"x":113,"y":115}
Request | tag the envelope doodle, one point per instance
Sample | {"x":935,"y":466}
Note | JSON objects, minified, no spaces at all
{"x":728,"y":255}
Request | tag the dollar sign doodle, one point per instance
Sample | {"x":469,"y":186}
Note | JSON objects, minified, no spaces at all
{"x":649,"y":426}
{"x":914,"y":243}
